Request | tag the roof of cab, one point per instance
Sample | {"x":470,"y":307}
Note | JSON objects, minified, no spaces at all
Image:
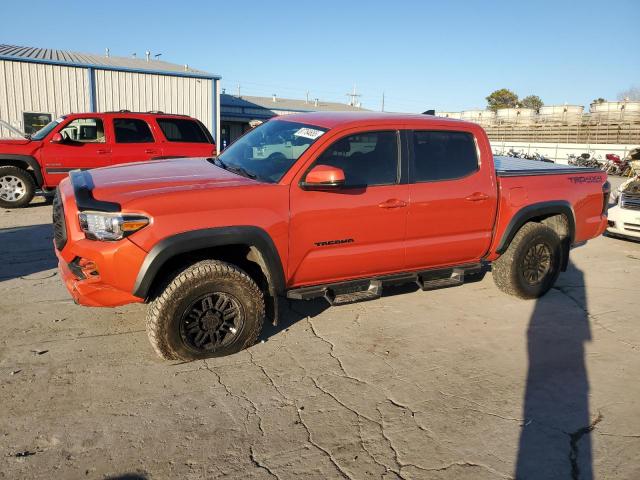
{"x":342,"y":119}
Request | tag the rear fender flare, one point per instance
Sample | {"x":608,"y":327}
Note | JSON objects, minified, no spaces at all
{"x":24,"y":161}
{"x":535,"y":211}
{"x":260,"y":243}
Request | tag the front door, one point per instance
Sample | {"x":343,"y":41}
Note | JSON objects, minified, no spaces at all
{"x":453,"y":199}
{"x":356,"y":230}
{"x":85,"y":144}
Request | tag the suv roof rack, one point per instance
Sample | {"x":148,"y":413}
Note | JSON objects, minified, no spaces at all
{"x":152,"y":112}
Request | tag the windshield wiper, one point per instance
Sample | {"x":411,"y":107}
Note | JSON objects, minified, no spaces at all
{"x":238,"y":170}
{"x":218,"y":163}
{"x":241,"y":171}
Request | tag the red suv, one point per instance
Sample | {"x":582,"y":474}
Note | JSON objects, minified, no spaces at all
{"x":81,"y":141}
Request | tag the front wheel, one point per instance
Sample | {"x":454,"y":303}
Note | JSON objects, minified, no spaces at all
{"x":17,"y":187}
{"x":531,"y":264}
{"x":211,"y":309}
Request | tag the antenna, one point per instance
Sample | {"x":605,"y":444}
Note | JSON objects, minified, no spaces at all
{"x":353,"y":96}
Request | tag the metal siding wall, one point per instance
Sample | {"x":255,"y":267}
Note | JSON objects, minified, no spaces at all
{"x":143,"y":92}
{"x":32,"y":87}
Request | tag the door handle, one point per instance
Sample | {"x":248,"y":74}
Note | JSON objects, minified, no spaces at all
{"x":151,"y":150}
{"x":102,"y":151}
{"x":477,"y":197}
{"x":392,"y":203}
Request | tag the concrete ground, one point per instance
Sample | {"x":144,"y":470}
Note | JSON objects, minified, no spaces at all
{"x":461,"y":383}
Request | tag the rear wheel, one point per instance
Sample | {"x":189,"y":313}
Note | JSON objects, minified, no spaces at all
{"x":211,"y":309}
{"x":17,"y":187}
{"x":531,"y":264}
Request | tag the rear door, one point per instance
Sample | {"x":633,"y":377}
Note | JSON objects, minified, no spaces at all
{"x":453,"y":199}
{"x":86,"y":144}
{"x":184,"y":137}
{"x":357,"y":230}
{"x":133,"y":141}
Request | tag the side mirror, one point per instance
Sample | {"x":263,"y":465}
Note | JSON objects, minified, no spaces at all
{"x":323,"y":177}
{"x":57,"y":138}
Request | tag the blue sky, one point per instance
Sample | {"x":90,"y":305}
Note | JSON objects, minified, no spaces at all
{"x":447,"y":55}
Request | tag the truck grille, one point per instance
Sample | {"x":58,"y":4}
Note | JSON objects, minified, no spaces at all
{"x":630,"y":201}
{"x":59,"y":223}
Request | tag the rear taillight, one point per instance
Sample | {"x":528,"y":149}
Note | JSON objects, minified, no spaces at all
{"x":606,"y":192}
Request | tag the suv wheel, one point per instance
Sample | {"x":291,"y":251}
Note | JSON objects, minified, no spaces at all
{"x":211,"y":309}
{"x":17,"y":187}
{"x":531,"y":264}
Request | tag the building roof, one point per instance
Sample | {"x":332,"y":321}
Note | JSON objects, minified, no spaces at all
{"x":65,"y":57}
{"x":285,"y":104}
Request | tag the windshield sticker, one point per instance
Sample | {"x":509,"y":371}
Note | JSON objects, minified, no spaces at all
{"x":310,"y":133}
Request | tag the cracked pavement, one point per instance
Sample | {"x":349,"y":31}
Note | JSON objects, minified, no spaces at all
{"x":459,"y":383}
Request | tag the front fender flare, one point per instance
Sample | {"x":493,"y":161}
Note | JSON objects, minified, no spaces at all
{"x":193,"y":240}
{"x":30,"y":161}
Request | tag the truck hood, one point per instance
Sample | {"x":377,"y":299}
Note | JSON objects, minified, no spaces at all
{"x":125,"y":183}
{"x":14,"y":141}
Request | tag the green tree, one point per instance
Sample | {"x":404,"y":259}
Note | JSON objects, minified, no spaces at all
{"x":599,"y":100}
{"x":502,"y":98}
{"x":632,"y":94}
{"x":532,"y":101}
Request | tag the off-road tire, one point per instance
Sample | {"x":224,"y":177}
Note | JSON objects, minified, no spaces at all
{"x":28,"y":183}
{"x":509,"y":272}
{"x":166,"y":311}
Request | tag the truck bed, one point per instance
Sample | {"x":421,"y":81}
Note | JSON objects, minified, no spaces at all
{"x":518,"y":167}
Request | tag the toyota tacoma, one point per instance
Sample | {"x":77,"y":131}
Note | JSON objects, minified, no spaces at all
{"x":332,"y":205}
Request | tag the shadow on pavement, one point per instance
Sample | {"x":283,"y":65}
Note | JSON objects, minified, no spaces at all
{"x":555,"y":440}
{"x":26,"y":251}
{"x":292,"y":311}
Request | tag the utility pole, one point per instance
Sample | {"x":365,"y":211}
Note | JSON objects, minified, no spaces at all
{"x":382,"y":110}
{"x":307,"y":101}
{"x":353,"y":96}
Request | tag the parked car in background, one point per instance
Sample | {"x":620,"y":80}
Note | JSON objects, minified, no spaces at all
{"x":83,"y":141}
{"x":344,"y":205}
{"x":624,"y":217}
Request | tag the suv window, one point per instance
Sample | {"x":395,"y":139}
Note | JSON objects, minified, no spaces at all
{"x":84,"y":130}
{"x":439,"y":155}
{"x":181,"y":130}
{"x":132,"y":130}
{"x":368,"y":159}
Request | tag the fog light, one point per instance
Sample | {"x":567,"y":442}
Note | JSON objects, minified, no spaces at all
{"x":611,"y":223}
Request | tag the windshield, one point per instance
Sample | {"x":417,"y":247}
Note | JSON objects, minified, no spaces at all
{"x":44,"y":131}
{"x":268,"y":151}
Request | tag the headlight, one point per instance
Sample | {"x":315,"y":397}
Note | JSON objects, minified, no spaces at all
{"x":110,"y":226}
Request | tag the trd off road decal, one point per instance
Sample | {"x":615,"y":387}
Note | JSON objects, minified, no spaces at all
{"x":333,"y":242}
{"x":586,"y":179}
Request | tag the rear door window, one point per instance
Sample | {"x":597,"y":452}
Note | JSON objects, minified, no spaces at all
{"x":441,"y":155}
{"x":183,"y":130}
{"x":132,"y":130}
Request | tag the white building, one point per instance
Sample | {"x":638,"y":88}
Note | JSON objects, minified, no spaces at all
{"x":38,"y":85}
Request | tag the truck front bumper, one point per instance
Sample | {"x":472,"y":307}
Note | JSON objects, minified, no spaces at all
{"x":88,"y":288}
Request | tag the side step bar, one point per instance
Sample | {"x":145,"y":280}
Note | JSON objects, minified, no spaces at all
{"x":352,"y":291}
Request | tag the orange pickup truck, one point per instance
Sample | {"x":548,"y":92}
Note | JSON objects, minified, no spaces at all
{"x":333,"y":205}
